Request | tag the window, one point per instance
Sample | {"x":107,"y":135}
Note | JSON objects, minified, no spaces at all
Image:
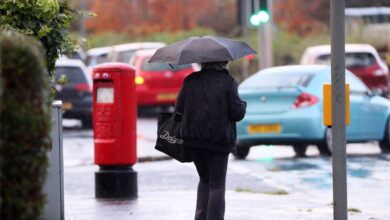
{"x":73,"y":74}
{"x":125,"y":56}
{"x":162,"y":66}
{"x":351,"y":59}
{"x":98,"y":59}
{"x":132,"y":61}
{"x":355,"y":84}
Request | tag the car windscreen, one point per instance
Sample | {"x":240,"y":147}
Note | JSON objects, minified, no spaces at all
{"x":276,"y":80}
{"x":72,"y":74}
{"x":351,"y":59}
{"x":125,"y":56}
{"x":93,"y":60}
{"x":162,"y":66}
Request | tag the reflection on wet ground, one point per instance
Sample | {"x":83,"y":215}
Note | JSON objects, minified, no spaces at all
{"x":316,"y":172}
{"x":253,"y":185}
{"x":356,"y":167}
{"x":297,"y":165}
{"x":359,"y":173}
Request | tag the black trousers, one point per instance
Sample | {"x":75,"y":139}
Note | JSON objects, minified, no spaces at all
{"x":211,"y":167}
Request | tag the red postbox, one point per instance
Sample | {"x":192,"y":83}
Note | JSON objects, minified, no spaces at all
{"x":114,"y":125}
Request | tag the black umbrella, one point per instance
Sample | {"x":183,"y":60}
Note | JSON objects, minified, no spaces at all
{"x":201,"y":50}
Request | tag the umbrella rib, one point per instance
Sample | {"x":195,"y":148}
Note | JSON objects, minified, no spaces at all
{"x":211,"y":39}
{"x":227,"y":48}
{"x":182,"y":48}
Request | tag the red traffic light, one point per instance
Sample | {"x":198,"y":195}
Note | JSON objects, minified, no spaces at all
{"x":249,"y":57}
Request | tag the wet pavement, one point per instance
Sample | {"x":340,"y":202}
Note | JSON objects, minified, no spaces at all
{"x":270,"y":184}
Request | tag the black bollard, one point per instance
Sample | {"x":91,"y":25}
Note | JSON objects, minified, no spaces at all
{"x":116,"y":182}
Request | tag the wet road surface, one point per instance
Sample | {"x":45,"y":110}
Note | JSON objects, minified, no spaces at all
{"x":270,"y":184}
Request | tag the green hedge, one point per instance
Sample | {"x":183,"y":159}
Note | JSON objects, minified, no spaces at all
{"x":24,"y":127}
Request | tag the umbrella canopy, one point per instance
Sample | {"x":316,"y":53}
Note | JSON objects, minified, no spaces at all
{"x":201,"y":50}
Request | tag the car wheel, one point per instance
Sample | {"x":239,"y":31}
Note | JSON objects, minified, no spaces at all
{"x":325,"y":147}
{"x":300,"y":150}
{"x":241,"y":151}
{"x":385,"y":143}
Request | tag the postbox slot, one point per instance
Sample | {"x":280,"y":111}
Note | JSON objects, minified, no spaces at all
{"x":103,"y":81}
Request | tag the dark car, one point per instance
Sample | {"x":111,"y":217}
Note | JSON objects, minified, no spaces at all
{"x":76,"y":93}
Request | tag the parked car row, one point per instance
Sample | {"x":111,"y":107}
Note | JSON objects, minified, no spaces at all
{"x":284,"y":103}
{"x":157,"y":85}
{"x":118,"y":53}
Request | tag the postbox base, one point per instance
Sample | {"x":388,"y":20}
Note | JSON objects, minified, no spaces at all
{"x":116,"y":182}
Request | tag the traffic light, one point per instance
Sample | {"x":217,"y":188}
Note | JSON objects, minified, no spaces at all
{"x":260,"y":16}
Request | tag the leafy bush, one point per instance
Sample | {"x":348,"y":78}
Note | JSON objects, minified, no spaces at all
{"x":24,"y":126}
{"x":48,"y":20}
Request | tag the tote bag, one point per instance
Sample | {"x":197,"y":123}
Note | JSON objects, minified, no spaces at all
{"x":169,"y":140}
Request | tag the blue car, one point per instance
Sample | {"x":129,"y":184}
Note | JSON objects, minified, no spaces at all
{"x":285,"y":107}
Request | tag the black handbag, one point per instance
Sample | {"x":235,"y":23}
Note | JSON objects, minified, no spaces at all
{"x":169,"y":140}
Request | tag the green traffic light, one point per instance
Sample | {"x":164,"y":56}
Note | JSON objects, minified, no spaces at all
{"x":263,"y":16}
{"x":260,"y":17}
{"x":255,"y":20}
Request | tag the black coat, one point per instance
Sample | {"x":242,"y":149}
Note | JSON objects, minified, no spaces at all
{"x":210,"y":107}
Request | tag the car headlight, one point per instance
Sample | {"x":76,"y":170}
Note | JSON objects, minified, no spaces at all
{"x":139,"y":80}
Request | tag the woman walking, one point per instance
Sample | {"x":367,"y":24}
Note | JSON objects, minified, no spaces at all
{"x":209,"y":106}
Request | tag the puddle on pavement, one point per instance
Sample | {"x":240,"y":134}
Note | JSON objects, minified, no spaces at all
{"x":359,"y":173}
{"x":297,"y":166}
{"x":318,"y":172}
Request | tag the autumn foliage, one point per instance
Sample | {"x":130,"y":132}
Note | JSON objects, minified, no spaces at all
{"x":302,"y":17}
{"x":306,"y":17}
{"x":141,"y":17}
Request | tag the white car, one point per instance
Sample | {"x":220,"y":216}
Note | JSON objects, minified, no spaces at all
{"x":361,"y":59}
{"x":118,"y":53}
{"x":124,"y":52}
{"x":97,"y":56}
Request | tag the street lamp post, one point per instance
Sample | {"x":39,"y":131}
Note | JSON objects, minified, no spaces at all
{"x":338,"y":110}
{"x":263,"y":20}
{"x":83,"y":31}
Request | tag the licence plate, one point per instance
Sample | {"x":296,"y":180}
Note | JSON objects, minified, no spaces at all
{"x":67,"y":105}
{"x":166,"y":96}
{"x":264,"y":128}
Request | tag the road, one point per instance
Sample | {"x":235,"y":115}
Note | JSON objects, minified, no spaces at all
{"x":276,"y":180}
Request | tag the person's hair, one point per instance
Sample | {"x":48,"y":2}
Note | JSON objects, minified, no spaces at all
{"x":221,"y":65}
